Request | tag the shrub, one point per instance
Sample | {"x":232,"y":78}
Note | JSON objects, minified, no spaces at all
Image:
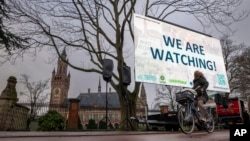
{"x":92,"y":124}
{"x":51,"y":121}
{"x":102,"y":125}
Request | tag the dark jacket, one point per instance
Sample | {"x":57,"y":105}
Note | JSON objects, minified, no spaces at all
{"x":200,"y":83}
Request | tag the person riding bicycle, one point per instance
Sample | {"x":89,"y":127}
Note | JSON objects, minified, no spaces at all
{"x":200,"y":85}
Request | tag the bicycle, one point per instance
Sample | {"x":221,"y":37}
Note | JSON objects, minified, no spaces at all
{"x":188,"y":116}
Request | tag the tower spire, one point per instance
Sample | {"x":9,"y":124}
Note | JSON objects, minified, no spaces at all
{"x":64,"y":54}
{"x":99,"y":85}
{"x":143,"y":95}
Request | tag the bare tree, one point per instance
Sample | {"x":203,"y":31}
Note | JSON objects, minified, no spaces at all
{"x":35,"y":92}
{"x":243,"y":73}
{"x":100,"y":29}
{"x":231,"y":53}
{"x":9,"y":40}
{"x":166,"y":94}
{"x":237,"y":64}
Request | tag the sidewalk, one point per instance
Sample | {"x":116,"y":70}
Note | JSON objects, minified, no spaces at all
{"x":8,"y":134}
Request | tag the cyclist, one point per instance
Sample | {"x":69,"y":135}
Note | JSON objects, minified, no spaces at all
{"x":200,"y":84}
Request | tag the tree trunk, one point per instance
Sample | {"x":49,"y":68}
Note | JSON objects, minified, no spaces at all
{"x":128,"y":108}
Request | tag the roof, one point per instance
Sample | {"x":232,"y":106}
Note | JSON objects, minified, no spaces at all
{"x":98,"y":99}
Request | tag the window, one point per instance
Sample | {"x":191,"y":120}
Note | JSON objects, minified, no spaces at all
{"x":110,"y":116}
{"x":95,"y":117}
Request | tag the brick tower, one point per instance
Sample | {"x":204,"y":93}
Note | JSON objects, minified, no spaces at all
{"x":60,"y":81}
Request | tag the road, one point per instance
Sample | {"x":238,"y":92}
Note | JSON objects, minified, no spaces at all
{"x":220,"y":135}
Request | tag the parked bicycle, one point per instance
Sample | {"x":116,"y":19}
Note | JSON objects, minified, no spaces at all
{"x":188,"y":115}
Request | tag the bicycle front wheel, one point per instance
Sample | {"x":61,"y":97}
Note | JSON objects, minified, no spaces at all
{"x":186,"y":120}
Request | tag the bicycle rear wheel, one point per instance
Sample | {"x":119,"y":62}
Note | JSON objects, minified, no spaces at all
{"x":209,"y":124}
{"x":186,"y":120}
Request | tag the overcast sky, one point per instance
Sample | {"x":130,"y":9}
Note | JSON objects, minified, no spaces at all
{"x":39,"y":69}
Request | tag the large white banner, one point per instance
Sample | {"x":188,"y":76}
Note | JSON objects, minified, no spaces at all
{"x":167,"y":54}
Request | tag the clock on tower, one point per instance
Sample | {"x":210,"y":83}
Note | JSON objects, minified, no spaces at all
{"x":57,"y":90}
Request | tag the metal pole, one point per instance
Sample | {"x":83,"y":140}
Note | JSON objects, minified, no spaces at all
{"x":106,"y":104}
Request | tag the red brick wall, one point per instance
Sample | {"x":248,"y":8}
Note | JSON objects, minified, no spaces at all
{"x":73,"y":114}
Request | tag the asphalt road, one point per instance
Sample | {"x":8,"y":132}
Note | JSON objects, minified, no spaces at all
{"x":220,"y":135}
